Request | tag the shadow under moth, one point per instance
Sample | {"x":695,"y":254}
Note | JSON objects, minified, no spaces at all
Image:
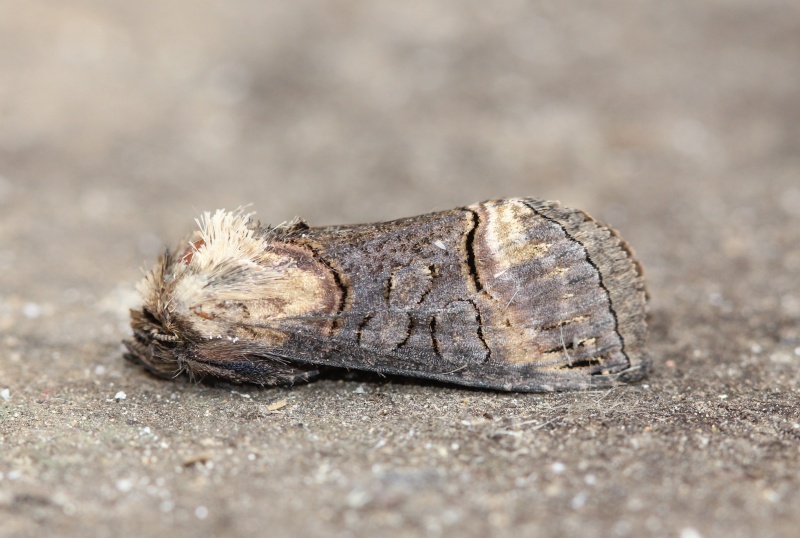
{"x":515,"y":294}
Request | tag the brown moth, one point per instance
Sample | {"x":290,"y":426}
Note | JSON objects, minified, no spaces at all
{"x":515,"y":294}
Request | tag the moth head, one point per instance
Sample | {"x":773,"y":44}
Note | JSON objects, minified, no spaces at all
{"x":232,"y":286}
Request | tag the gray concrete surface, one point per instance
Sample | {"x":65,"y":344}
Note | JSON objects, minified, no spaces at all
{"x":678,"y":122}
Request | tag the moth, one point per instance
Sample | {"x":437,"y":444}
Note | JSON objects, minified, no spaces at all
{"x":515,"y":294}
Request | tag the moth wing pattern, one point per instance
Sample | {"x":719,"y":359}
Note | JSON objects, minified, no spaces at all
{"x":513,"y":294}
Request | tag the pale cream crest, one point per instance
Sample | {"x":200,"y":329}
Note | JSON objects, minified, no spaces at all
{"x":227,"y":260}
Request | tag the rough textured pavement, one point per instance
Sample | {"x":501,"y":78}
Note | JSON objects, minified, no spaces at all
{"x":677,"y":122}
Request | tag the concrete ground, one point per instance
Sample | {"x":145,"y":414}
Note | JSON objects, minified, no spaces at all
{"x":678,"y":122}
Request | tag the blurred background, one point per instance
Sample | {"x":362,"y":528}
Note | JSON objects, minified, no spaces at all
{"x":677,"y":122}
{"x":126,"y":120}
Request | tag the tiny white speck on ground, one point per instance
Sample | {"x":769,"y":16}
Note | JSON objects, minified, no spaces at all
{"x":201,"y":512}
{"x":781,"y":357}
{"x":579,"y":500}
{"x":120,"y":396}
{"x":439,"y":244}
{"x":276,"y":405}
{"x":690,"y":532}
{"x":558,"y":467}
{"x":358,"y":498}
{"x":31,"y":310}
{"x":5,"y":394}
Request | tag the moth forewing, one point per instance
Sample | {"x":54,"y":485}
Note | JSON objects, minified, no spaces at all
{"x":513,"y":294}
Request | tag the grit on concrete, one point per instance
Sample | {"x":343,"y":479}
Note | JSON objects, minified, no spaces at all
{"x":678,"y":122}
